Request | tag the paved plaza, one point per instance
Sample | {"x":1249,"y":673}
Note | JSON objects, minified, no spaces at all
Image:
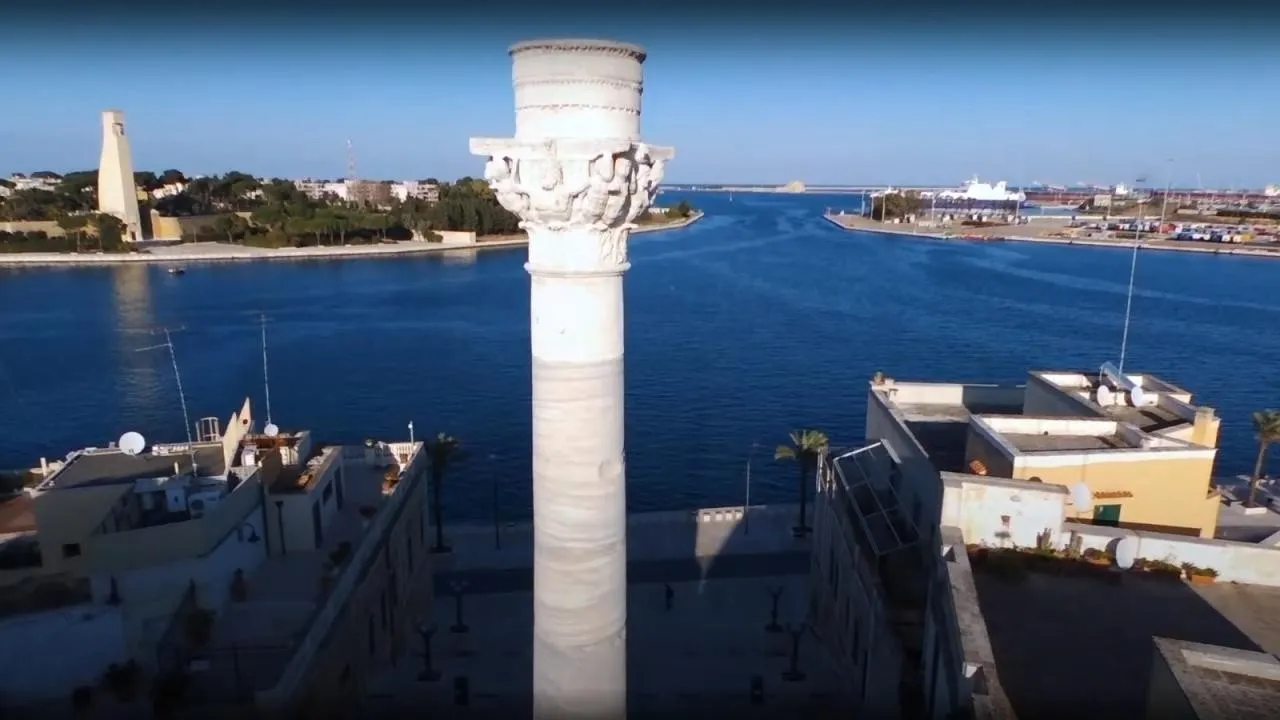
{"x":700,"y":655}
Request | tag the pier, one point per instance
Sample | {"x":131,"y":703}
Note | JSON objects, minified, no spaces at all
{"x":1048,"y":229}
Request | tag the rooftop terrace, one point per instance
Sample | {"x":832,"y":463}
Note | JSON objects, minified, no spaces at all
{"x":1218,"y":682}
{"x":1082,"y":646}
{"x":1172,"y":406}
{"x":98,"y":467}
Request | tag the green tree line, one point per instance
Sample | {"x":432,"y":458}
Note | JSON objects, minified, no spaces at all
{"x":269,"y":213}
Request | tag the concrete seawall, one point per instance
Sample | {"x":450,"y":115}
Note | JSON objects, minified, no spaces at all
{"x":218,"y":252}
{"x":1169,"y":245}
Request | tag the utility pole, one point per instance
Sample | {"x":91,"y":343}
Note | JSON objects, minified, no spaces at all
{"x":1168,"y":186}
{"x":746,"y":507}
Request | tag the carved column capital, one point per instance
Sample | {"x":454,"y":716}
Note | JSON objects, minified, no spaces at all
{"x":577,"y":199}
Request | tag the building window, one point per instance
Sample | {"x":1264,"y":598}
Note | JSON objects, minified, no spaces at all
{"x":71,"y":550}
{"x":327,"y":493}
{"x":373,"y":638}
{"x":383,"y":604}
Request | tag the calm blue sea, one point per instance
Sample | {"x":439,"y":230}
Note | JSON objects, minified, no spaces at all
{"x":760,"y":318}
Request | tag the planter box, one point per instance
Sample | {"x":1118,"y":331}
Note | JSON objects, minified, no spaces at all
{"x":1201,"y":579}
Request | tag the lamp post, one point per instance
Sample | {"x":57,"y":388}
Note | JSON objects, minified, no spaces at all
{"x":793,"y":673}
{"x":410,"y":432}
{"x":1168,"y":186}
{"x":459,"y":588}
{"x":429,"y":673}
{"x":746,"y":503}
{"x":775,"y":594}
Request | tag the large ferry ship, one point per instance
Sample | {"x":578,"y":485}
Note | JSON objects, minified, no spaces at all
{"x":977,"y":194}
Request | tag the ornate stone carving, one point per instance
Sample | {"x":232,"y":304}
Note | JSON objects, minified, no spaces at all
{"x":558,"y":185}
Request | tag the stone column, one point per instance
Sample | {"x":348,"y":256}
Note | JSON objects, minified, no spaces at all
{"x":577,"y":175}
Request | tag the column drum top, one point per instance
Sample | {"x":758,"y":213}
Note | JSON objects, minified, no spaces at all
{"x":577,"y":89}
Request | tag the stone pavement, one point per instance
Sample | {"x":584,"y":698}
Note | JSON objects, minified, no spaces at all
{"x":680,"y":534}
{"x":700,"y":655}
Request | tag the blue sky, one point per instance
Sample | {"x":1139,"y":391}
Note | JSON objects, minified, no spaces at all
{"x":857,"y":105}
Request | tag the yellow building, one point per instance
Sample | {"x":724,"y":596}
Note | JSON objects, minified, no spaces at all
{"x":1146,"y":465}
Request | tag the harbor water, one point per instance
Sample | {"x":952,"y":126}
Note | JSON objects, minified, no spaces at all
{"x":760,"y":318}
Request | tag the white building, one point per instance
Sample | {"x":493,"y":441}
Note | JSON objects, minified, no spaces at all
{"x":317,"y":189}
{"x":416,"y":190}
{"x":169,"y":190}
{"x":22,"y":182}
{"x":187,"y":553}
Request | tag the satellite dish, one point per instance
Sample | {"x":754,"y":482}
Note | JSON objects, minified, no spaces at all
{"x":1137,"y":397}
{"x":1126,"y":552}
{"x":1081,"y":497}
{"x":271,"y":430}
{"x":132,"y":443}
{"x":1106,"y":398}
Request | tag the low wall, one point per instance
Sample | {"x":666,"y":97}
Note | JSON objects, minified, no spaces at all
{"x":49,"y":227}
{"x":1252,"y":563}
{"x":999,"y":512}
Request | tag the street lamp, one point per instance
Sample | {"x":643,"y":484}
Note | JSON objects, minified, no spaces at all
{"x":458,"y":587}
{"x":794,"y":674}
{"x":429,"y":673}
{"x":746,"y":507}
{"x":410,"y":432}
{"x":1168,"y":186}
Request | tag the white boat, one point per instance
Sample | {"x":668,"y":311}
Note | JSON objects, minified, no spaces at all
{"x":177,"y":271}
{"x":980,"y":192}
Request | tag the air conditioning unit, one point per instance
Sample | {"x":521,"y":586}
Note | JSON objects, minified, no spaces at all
{"x":200,"y":504}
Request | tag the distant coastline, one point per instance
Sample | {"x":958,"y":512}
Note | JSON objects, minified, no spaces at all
{"x":219,"y":252}
{"x":857,"y":223}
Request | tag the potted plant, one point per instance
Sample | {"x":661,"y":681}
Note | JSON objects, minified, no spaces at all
{"x":122,"y":680}
{"x":168,"y":692}
{"x":239,"y":586}
{"x":82,"y":700}
{"x":1198,"y":575}
{"x":1096,"y":557}
{"x":200,"y":627}
{"x":390,"y":479}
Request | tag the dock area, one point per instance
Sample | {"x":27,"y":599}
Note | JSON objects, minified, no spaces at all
{"x":1054,"y":230}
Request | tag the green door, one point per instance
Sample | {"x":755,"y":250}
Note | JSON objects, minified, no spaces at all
{"x":1106,"y":515}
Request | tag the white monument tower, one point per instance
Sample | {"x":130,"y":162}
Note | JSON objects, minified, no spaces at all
{"x":577,"y":175}
{"x":117,"y":194}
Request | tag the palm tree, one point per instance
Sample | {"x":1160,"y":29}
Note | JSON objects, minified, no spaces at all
{"x":804,"y":449}
{"x":442,"y":451}
{"x":1266,"y":425}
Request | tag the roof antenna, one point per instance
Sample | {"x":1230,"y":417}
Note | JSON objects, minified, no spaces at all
{"x":182,"y":396}
{"x":266,"y":379}
{"x":1128,"y":301}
